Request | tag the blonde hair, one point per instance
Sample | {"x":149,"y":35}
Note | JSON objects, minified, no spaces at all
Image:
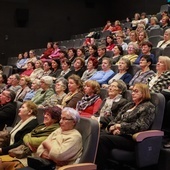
{"x":94,"y":85}
{"x":166,"y":61}
{"x":31,"y":106}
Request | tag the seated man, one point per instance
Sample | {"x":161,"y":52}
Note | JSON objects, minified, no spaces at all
{"x":7,"y":108}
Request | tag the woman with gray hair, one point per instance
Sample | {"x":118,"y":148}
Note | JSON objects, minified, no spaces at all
{"x":64,"y":145}
{"x":55,"y":99}
{"x":112,"y":104}
{"x":45,"y":92}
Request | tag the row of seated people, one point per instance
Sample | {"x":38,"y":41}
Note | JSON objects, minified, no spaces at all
{"x":140,"y":112}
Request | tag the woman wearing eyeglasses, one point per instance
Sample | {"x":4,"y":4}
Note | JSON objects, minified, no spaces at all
{"x":135,"y":116}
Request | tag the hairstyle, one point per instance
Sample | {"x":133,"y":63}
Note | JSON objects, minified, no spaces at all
{"x":56,"y":43}
{"x":103,"y":47}
{"x":31,"y":106}
{"x":67,"y":61}
{"x":58,"y":62}
{"x":133,"y":32}
{"x":94,"y":85}
{"x":147,"y":58}
{"x":108,"y":59}
{"x":64,"y":52}
{"x":32,"y":51}
{"x":12,"y":94}
{"x":17,"y":76}
{"x":40,"y":62}
{"x":72,"y":49}
{"x":48,"y":62}
{"x":77,"y":80}
{"x":138,"y":15}
{"x":63,"y":81}
{"x":94,"y":61}
{"x":82,"y":50}
{"x":81,"y":59}
{"x":127,"y":61}
{"x":55,"y":113}
{"x":4,"y":78}
{"x":112,"y":42}
{"x":27,"y":79}
{"x":135,"y":46}
{"x":120,"y":49}
{"x":166,"y":61}
{"x":167,"y":31}
{"x":144,"y":90}
{"x":121,"y":85}
{"x":94,"y":47}
{"x":149,"y":44}
{"x":145,"y":34}
{"x":51,"y":44}
{"x":154,"y":18}
{"x":37,"y":82}
{"x":32,"y":63}
{"x":73,"y":113}
{"x":47,"y":80}
{"x":143,"y":14}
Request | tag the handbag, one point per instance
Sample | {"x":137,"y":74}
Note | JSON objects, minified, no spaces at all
{"x":39,"y":163}
{"x":20,"y":152}
{"x":4,"y":137}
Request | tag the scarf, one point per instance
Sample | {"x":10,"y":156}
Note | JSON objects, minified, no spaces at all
{"x":86,"y":101}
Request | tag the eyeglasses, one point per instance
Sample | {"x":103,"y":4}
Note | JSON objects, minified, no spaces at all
{"x":5,"y":95}
{"x":64,"y":118}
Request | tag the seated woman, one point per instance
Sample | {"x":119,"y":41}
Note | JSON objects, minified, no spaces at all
{"x":75,"y":93}
{"x":38,"y":71}
{"x":142,"y":37}
{"x":120,"y":41}
{"x":45,"y":92}
{"x":56,"y":70}
{"x":103,"y":76}
{"x":123,"y":66}
{"x":80,"y":52}
{"x":145,"y":72}
{"x":66,"y":71}
{"x":132,"y":51}
{"x":47,"y":51}
{"x":35,"y":86}
{"x":160,"y":80}
{"x":153,"y":24}
{"x":27,"y":113}
{"x":91,"y":101}
{"x":21,"y":61}
{"x":78,"y":66}
{"x":46,"y":69}
{"x":117,"y":53}
{"x":71,"y":55}
{"x":92,"y":65}
{"x":112,"y":104}
{"x":55,"y":99}
{"x":3,"y":81}
{"x":110,"y":43}
{"x":29,"y":69}
{"x":135,"y":116}
{"x":55,"y":52}
{"x":24,"y":83}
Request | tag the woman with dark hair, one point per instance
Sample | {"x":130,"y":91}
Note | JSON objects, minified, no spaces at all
{"x":29,"y":69}
{"x":117,"y":53}
{"x":145,"y":72}
{"x":78,"y":66}
{"x":71,"y":54}
{"x":92,"y":51}
{"x":3,"y":81}
{"x":81,"y":52}
{"x":46,"y":69}
{"x":92,"y":65}
{"x":55,"y":52}
{"x":109,"y":43}
{"x":56,"y":69}
{"x":91,"y":101}
{"x":47,"y":51}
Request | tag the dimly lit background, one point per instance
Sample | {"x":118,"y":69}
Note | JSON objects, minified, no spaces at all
{"x":29,"y":24}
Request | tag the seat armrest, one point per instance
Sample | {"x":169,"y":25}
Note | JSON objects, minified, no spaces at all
{"x":82,"y":166}
{"x":140,"y":136}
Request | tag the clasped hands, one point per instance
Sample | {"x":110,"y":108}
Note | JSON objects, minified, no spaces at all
{"x":115,"y":129}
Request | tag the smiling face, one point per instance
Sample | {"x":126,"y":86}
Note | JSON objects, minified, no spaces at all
{"x":72,"y":86}
{"x":47,"y":119}
{"x":160,"y":66}
{"x":24,"y":112}
{"x":113,"y":90}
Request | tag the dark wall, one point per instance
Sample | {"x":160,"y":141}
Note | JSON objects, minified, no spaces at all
{"x":27,"y":24}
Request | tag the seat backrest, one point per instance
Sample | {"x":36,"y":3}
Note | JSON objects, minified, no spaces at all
{"x":109,"y":54}
{"x":166,"y":51}
{"x":157,"y":52}
{"x":7,"y":70}
{"x":158,"y":31}
{"x":159,"y":102}
{"x":89,"y":130}
{"x":155,"y":39}
{"x":103,"y":93}
{"x":133,"y":69}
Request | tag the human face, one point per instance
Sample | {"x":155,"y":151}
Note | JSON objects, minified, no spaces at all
{"x":10,"y":79}
{"x":49,"y":45}
{"x":72,"y":86}
{"x":132,"y":37}
{"x":26,"y":55}
{"x":90,"y":65}
{"x":88,"y":90}
{"x":43,"y":85}
{"x":79,"y":53}
{"x":66,"y":122}
{"x":24,"y":112}
{"x":100,"y":52}
{"x":116,"y":50}
{"x":54,"y":64}
{"x":109,"y":40}
{"x":22,"y":82}
{"x":152,"y":21}
{"x":145,"y":49}
{"x":59,"y":87}
{"x":29,"y":66}
{"x":91,"y":50}
{"x":143,"y":63}
{"x":105,"y":65}
{"x":122,"y":66}
{"x":64,"y":66}
{"x":141,"y":36}
{"x":34,"y":86}
{"x":113,"y":90}
{"x":136,"y":95}
{"x":47,"y":119}
{"x":77,"y":64}
{"x":70,"y":53}
{"x":131,"y":49}
{"x":31,"y":54}
{"x":166,"y":36}
{"x":37,"y":64}
{"x":14,"y":81}
{"x":46,"y":66}
{"x":19,"y":56}
{"x":119,"y":40}
{"x":4,"y":97}
{"x":160,"y":66}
